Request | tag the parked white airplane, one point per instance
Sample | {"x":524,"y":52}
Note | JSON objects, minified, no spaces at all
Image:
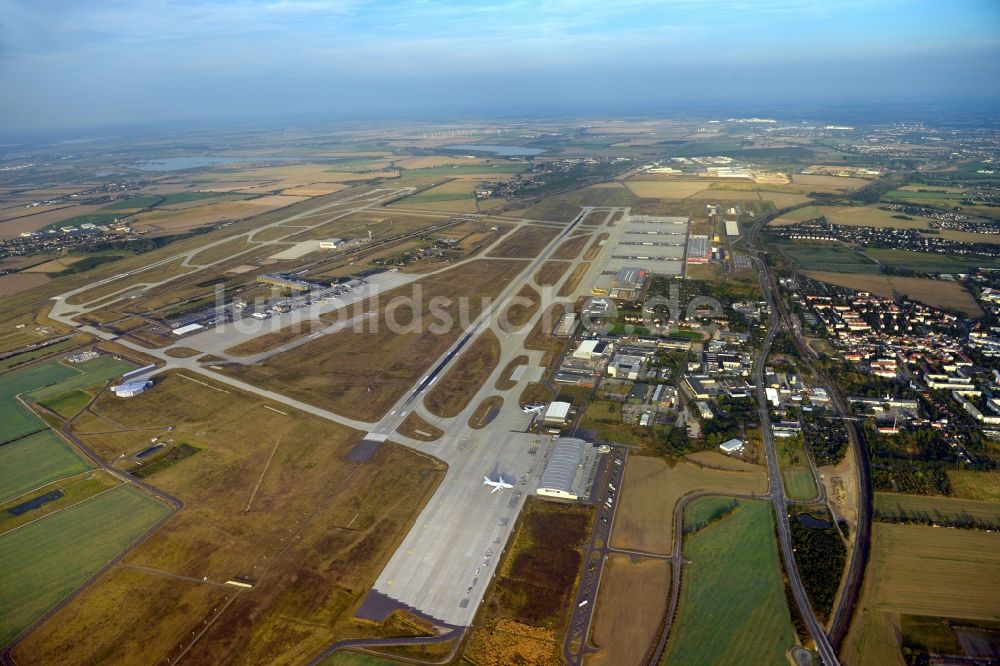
{"x":535,"y":408}
{"x":497,"y":485}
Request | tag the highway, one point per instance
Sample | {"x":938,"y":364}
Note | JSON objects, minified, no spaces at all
{"x":776,"y":491}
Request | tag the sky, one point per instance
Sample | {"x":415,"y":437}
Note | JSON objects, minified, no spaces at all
{"x":80,"y":63}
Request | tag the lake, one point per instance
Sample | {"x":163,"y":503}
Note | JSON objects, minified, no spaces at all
{"x":181,"y":163}
{"x":505,"y":151}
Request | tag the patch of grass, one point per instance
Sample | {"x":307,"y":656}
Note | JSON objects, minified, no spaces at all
{"x":174,"y":455}
{"x":452,"y":393}
{"x":826,"y":257}
{"x":74,"y":489}
{"x":550,"y":272}
{"x":931,"y":635}
{"x":521,"y":309}
{"x":525,"y":242}
{"x":732,"y":607}
{"x":417,"y":428}
{"x":34,"y":461}
{"x":929,"y":262}
{"x":67,"y":404}
{"x":894,"y":507}
{"x":46,"y":560}
{"x":703,"y":511}
{"x":795,"y":470}
{"x":17,"y":420}
{"x":485,"y":411}
{"x":573,"y":281}
{"x":975,"y":485}
{"x":504,"y":381}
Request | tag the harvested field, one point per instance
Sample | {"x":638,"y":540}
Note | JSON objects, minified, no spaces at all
{"x":210,"y":213}
{"x":275,"y":489}
{"x":572,"y":283}
{"x":15,"y":283}
{"x":525,"y":242}
{"x":869,"y":216}
{"x":975,"y":485}
{"x":504,"y":381}
{"x":569,"y":249}
{"x":732,"y":606}
{"x":275,"y":339}
{"x":550,"y":272}
{"x":54,"y":265}
{"x":452,"y":393}
{"x":630,"y":605}
{"x":842,"y":183}
{"x":595,"y":247}
{"x":922,"y":571}
{"x":782,"y":199}
{"x":13,"y":227}
{"x":651,"y":488}
{"x":364,"y":373}
{"x":665,"y":189}
{"x":796,"y":216}
{"x":935,"y":293}
{"x":417,"y":428}
{"x":726,"y":195}
{"x":520,"y":311}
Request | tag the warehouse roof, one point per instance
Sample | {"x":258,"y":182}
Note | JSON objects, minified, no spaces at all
{"x":561,"y":469}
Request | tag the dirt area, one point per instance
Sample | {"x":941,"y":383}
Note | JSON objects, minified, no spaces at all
{"x":630,"y":605}
{"x":452,"y":393}
{"x":417,"y":428}
{"x":54,"y":265}
{"x":651,"y":489}
{"x":935,"y":293}
{"x":526,"y":242}
{"x":550,"y":272}
{"x":842,"y":489}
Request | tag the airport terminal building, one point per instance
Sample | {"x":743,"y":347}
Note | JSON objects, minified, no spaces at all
{"x":569,"y":470}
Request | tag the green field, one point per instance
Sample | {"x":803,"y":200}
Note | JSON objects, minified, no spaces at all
{"x":927,"y":262}
{"x":974,"y":484}
{"x":17,"y":420}
{"x":937,"y":509}
{"x":732,"y":606}
{"x":24,"y":357}
{"x":701,"y":512}
{"x":67,"y":404}
{"x":97,"y":371}
{"x":46,"y":560}
{"x":34,"y":461}
{"x":939,"y":199}
{"x":795,"y":470}
{"x":835,"y":258}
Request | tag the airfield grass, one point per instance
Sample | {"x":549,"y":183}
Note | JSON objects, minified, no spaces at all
{"x":504,"y":381}
{"x":46,"y":560}
{"x":24,"y":357}
{"x":481,"y":417}
{"x":630,"y":605}
{"x":573,"y":281}
{"x":652,"y":488}
{"x":452,"y":393}
{"x":940,"y":294}
{"x":922,"y":507}
{"x":34,"y":461}
{"x":274,"y":339}
{"x":363,"y":374}
{"x":519,"y":312}
{"x":569,"y":249}
{"x":550,"y":272}
{"x":416,"y":427}
{"x":975,"y":484}
{"x":525,"y":242}
{"x":564,"y":207}
{"x":540,"y":338}
{"x":268,"y":498}
{"x":922,"y":571}
{"x":604,"y":417}
{"x":732,"y":607}
{"x":665,"y":189}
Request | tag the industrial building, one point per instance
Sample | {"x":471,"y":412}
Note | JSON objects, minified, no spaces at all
{"x":569,"y":469}
{"x":130,"y":389}
{"x":557,"y":413}
{"x":627,"y":284}
{"x":732,"y":446}
{"x":190,"y":328}
{"x":331,"y":243}
{"x":699,"y":250}
{"x":566,"y":326}
{"x":654,"y":243}
{"x":732,"y":228}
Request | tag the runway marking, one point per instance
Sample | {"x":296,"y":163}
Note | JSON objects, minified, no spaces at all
{"x":275,"y":410}
{"x":268,"y":464}
{"x":192,"y":379}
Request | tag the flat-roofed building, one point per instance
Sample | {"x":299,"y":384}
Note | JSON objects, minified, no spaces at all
{"x":569,"y":470}
{"x":557,"y":413}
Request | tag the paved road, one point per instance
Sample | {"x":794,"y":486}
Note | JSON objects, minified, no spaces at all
{"x":777,"y":489}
